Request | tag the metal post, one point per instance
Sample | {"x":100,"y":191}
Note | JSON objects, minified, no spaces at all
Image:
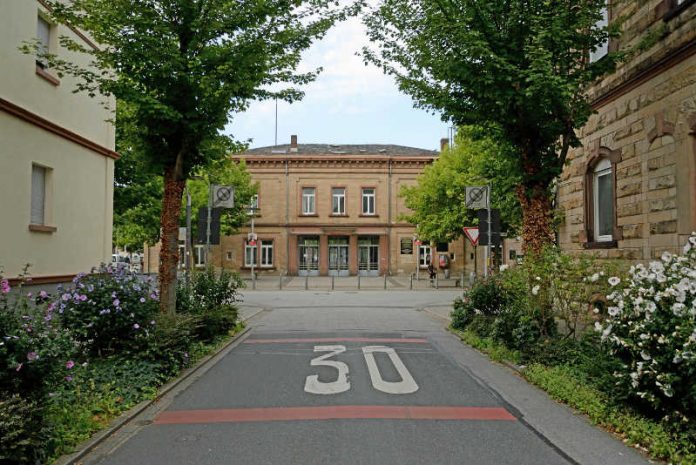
{"x":207,"y":227}
{"x":436,"y":281}
{"x":385,"y":280}
{"x":490,"y":239}
{"x":255,"y":250}
{"x":358,"y":282}
{"x":280,"y":281}
{"x":306,"y":282}
{"x":410,"y":285}
{"x":332,"y":282}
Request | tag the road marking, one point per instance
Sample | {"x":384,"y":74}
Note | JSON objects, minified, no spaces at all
{"x":344,"y":412}
{"x":312,"y":383}
{"x":376,"y":340}
{"x":407,"y":385}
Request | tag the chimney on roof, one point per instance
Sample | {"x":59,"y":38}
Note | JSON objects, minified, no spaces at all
{"x":444,"y":143}
{"x":293,"y":143}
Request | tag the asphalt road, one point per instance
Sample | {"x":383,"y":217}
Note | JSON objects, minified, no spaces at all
{"x":345,"y":378}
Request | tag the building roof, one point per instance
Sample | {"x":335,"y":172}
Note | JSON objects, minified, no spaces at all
{"x":343,"y":149}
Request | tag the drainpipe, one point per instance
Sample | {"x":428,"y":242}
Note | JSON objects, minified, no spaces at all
{"x":287,"y":214}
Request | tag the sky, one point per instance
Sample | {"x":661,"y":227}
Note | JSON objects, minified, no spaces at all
{"x":349,"y":103}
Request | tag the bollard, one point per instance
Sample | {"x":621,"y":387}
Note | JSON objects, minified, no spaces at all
{"x":385,"y":280}
{"x":358,"y":282}
{"x":461,"y":280}
{"x":253,"y":281}
{"x":436,"y":284}
{"x":410,"y":285}
{"x":280,"y":281}
{"x":306,"y":282}
{"x":332,"y":282}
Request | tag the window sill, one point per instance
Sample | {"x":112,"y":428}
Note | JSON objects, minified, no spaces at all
{"x":42,"y":73}
{"x":310,"y":215}
{"x":677,"y":10}
{"x":42,"y":228}
{"x":602,"y":245}
{"x":368,"y":215}
{"x":339,"y":215}
{"x":258,"y":268}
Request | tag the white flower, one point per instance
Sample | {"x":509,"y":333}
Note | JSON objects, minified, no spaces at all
{"x":613,"y":281}
{"x":538,"y":278}
{"x":666,"y":256}
{"x":644,"y":355}
{"x":503,"y":267}
{"x":594,"y":277}
{"x":535,"y":290}
{"x":598,"y":326}
{"x":595,"y":310}
{"x":613,"y":311}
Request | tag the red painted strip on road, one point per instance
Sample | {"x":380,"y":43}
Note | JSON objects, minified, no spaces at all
{"x":344,"y":412}
{"x":383,"y":340}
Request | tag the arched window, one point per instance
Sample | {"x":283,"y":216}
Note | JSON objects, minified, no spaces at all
{"x":603,"y":201}
{"x":601,"y":230}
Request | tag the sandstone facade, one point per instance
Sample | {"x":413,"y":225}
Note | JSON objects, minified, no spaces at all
{"x":646,"y":126}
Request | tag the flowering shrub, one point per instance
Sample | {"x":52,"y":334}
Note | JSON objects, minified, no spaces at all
{"x":34,"y":347}
{"x":109,"y":309}
{"x":651,"y":327}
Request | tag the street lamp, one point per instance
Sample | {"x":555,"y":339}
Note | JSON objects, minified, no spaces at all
{"x":251,"y":211}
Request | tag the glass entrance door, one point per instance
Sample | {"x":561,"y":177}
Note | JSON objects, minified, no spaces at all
{"x":368,"y":256}
{"x":308,"y":255}
{"x":338,"y":256}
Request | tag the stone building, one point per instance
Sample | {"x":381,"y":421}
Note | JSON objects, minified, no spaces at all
{"x":56,"y":154}
{"x":334,"y":210}
{"x":630,"y":191}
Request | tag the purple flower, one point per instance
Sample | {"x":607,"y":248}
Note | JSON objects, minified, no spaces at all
{"x":5,"y":286}
{"x":19,"y":367}
{"x":136,"y":326}
{"x":142,"y":300}
{"x":68,"y":378}
{"x":31,"y":356}
{"x":83,"y":297}
{"x":29,"y":294}
{"x":153,"y":295}
{"x":43,"y":294}
{"x":117,"y":303}
{"x":65,"y":297}
{"x":69,"y":364}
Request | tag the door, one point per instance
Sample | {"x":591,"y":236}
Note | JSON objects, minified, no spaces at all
{"x":424,"y":255}
{"x":368,"y":256}
{"x":308,"y":255}
{"x":338,"y":256}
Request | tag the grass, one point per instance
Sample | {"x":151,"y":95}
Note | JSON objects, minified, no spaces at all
{"x":569,"y":386}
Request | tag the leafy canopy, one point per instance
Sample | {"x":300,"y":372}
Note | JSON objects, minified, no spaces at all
{"x":516,"y":65}
{"x":438,"y":199}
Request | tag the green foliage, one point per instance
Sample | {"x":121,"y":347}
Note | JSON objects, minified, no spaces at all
{"x":212,"y":298}
{"x":108,"y":310}
{"x":23,"y":430}
{"x":437,"y":200}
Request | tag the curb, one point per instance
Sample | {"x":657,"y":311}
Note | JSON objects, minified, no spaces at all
{"x":126,"y":417}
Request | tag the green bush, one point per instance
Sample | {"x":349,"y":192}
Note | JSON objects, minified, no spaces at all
{"x":23,"y":431}
{"x":212,"y":299}
{"x":108,"y":309}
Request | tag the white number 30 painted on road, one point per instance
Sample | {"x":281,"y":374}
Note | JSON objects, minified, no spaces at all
{"x":407,"y":385}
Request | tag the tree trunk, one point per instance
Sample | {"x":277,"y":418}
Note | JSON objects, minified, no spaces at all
{"x":536,"y":218}
{"x":169,"y":253}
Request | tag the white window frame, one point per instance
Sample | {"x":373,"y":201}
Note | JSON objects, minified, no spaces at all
{"x":44,"y":31}
{"x":250,"y":251}
{"x":603,"y":168}
{"x":253,"y":205}
{"x":266,"y":246}
{"x":338,"y":199}
{"x":602,"y":49}
{"x":199,"y":256}
{"x":39,"y":188}
{"x":368,"y":200}
{"x":309,"y":195}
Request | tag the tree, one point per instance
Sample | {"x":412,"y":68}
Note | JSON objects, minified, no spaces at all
{"x":183,"y":67}
{"x":437,"y":201}
{"x":519,"y":67}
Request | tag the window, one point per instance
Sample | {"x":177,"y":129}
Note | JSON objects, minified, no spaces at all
{"x":43,"y":33}
{"x":308,"y":198}
{"x":228,"y":256}
{"x":603,"y":198}
{"x":38,"y":194}
{"x":267,"y":253}
{"x":250,"y":255}
{"x":253,"y":205}
{"x":338,"y":201}
{"x":368,"y":201}
{"x":602,"y":49}
{"x":199,"y":255}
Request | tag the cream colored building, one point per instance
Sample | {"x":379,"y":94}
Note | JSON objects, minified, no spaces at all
{"x":630,"y":191}
{"x":56,"y":156}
